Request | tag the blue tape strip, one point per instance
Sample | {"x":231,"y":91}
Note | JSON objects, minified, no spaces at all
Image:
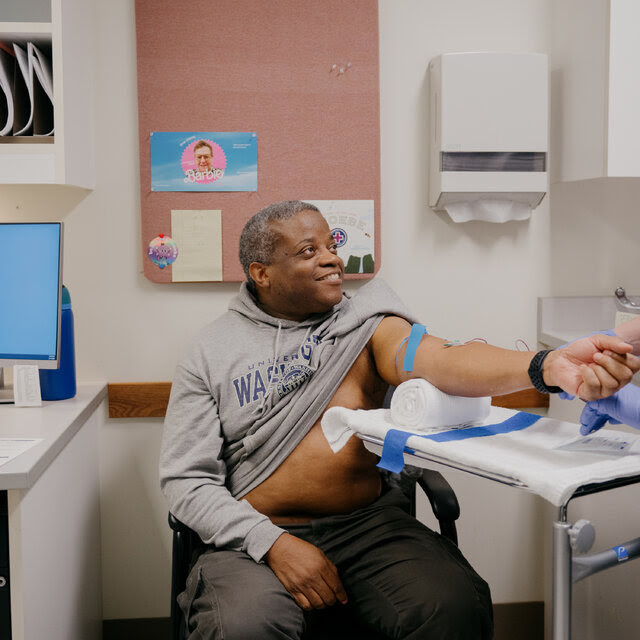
{"x":417,"y":331}
{"x":392,"y":458}
{"x":517,"y":422}
{"x":395,"y":441}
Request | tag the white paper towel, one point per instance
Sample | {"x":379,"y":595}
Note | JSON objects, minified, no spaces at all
{"x":417,"y":404}
{"x":488,"y":210}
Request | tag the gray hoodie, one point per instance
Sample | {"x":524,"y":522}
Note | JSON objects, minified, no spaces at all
{"x":248,"y":390}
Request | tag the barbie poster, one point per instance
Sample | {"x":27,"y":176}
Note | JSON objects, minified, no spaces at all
{"x":204,"y":161}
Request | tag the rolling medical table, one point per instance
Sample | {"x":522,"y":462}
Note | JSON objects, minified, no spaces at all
{"x":537,"y":454}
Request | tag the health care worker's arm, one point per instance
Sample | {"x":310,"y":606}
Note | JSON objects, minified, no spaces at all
{"x":478,"y":369}
{"x":622,"y":407}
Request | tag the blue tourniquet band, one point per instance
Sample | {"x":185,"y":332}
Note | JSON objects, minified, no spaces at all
{"x":417,"y":331}
{"x":395,"y":441}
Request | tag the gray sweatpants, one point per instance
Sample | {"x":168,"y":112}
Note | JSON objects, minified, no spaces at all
{"x":403,"y":581}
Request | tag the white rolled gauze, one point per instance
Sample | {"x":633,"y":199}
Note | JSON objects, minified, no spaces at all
{"x":418,"y":405}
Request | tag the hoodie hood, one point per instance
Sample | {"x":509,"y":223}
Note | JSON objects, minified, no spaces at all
{"x":245,"y":304}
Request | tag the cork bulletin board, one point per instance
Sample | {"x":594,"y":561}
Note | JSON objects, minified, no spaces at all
{"x":302,"y":78}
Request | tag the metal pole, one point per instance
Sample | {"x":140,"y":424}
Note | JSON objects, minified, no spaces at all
{"x":561,"y":593}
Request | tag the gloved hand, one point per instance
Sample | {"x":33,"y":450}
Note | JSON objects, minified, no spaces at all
{"x":621,"y":407}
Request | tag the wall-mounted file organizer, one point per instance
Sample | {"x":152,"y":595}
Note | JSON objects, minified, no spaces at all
{"x":26,"y":86}
{"x":46,"y":100}
{"x":301,"y":75}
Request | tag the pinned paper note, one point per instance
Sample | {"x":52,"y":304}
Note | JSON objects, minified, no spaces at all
{"x":199,"y":235}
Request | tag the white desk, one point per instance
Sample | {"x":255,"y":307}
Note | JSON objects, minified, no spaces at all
{"x":54,"y":517}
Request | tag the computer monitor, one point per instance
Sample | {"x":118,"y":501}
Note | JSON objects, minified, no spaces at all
{"x":30,"y":296}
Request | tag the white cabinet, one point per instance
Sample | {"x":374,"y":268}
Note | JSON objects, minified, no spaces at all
{"x":66,"y":158}
{"x":595,"y":95}
{"x":55,"y":577}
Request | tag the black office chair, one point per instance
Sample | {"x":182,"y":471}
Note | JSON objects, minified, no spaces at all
{"x":187,"y":544}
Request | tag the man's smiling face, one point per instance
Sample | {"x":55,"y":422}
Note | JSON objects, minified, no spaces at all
{"x":305,"y":274}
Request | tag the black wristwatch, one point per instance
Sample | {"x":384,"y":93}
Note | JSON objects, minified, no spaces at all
{"x":535,"y":373}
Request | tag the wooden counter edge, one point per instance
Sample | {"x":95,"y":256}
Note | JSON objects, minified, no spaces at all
{"x":150,"y":399}
{"x":138,"y":399}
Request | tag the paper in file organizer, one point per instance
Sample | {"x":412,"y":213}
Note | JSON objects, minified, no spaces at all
{"x":42,"y":91}
{"x":33,"y":93}
{"x":7,"y":72}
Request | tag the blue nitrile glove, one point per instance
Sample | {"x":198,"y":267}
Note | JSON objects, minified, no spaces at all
{"x":621,"y":407}
{"x":607,"y":332}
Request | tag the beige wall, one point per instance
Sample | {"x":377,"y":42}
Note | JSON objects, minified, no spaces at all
{"x":465,"y":281}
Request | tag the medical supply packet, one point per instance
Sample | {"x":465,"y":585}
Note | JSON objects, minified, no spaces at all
{"x":610,"y":446}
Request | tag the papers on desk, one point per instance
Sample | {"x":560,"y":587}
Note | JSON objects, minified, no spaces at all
{"x":10,"y":448}
{"x":26,"y":91}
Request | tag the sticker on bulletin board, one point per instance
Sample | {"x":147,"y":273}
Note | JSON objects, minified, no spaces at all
{"x":204,"y":161}
{"x":162,"y":251}
{"x":352,"y":224}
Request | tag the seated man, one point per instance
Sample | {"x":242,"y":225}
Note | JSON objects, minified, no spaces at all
{"x":293,"y":527}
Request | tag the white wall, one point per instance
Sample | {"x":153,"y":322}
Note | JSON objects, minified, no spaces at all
{"x":465,"y":281}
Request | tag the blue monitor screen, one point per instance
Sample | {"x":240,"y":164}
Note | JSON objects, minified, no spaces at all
{"x":30,"y":289}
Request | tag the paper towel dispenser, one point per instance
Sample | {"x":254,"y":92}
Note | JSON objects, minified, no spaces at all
{"x":488,"y":131}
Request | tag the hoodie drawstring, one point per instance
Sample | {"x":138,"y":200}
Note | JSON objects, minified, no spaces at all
{"x":276,"y":348}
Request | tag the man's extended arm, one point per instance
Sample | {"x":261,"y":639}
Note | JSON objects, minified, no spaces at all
{"x":593,"y":367}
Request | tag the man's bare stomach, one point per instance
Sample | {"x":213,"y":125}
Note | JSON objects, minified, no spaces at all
{"x":313,"y":481}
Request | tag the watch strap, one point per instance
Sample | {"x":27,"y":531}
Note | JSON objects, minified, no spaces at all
{"x":535,"y":373}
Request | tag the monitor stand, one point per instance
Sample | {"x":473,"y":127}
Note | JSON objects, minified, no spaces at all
{"x":6,"y":390}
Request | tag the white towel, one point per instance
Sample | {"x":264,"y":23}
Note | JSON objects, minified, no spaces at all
{"x":536,"y":457}
{"x":418,"y":405}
